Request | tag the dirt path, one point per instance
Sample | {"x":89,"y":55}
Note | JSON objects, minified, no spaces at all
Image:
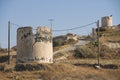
{"x":72,"y":47}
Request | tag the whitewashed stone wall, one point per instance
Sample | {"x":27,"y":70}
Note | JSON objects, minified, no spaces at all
{"x":43,"y":49}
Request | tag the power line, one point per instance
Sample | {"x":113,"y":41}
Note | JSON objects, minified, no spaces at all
{"x":19,"y":25}
{"x":16,"y":24}
{"x":59,"y":30}
{"x":75,"y":27}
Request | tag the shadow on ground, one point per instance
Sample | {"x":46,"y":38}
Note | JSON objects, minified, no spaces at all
{"x":106,"y":66}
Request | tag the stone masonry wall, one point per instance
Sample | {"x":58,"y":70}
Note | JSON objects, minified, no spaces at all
{"x":24,"y":44}
{"x":43,"y":49}
{"x":106,"y":21}
{"x":34,"y":47}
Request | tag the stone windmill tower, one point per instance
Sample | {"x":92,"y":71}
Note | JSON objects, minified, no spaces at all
{"x":34,"y":47}
{"x":42,"y":48}
{"x":106,"y":21}
{"x":24,"y":44}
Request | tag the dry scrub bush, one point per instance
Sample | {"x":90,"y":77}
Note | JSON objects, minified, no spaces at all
{"x":84,"y":52}
{"x":109,"y":53}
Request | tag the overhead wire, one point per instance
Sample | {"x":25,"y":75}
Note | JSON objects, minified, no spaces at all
{"x":75,"y":27}
{"x":59,"y":30}
{"x":53,"y":30}
{"x":16,"y":25}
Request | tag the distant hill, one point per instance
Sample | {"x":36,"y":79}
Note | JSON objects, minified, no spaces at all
{"x":65,"y":39}
{"x":109,"y":46}
{"x":110,"y":37}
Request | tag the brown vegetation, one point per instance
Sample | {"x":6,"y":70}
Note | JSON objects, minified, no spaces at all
{"x":61,"y":71}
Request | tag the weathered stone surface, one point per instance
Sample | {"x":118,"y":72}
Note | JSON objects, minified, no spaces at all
{"x":106,"y":21}
{"x":24,"y":44}
{"x":34,"y":47}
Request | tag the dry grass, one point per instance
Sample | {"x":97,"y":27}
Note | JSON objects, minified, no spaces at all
{"x":61,"y":47}
{"x":61,"y":71}
{"x":66,"y":71}
{"x":111,"y":35}
{"x":91,"y":61}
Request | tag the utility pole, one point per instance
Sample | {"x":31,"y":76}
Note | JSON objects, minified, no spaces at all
{"x":0,"y":45}
{"x":8,"y":42}
{"x":98,"y":35}
{"x":51,"y":20}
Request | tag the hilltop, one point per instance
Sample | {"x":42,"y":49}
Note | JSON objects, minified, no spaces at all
{"x":109,"y":45}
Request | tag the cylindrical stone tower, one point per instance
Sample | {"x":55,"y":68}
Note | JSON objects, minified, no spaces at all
{"x":106,"y":21}
{"x":42,"y":47}
{"x":24,"y":44}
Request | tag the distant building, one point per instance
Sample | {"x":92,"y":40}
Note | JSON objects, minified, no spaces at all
{"x":66,"y":37}
{"x":71,"y":36}
{"x":106,"y":21}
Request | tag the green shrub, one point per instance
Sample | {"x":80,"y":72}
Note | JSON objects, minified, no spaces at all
{"x":3,"y":50}
{"x":55,"y":44}
{"x":101,"y":29}
{"x":58,"y":43}
{"x":71,"y":40}
{"x":109,"y":53}
{"x":84,"y":53}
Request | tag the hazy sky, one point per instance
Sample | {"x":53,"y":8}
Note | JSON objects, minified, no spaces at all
{"x":66,"y":14}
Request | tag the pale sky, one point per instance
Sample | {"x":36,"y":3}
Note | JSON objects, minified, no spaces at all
{"x":66,"y":14}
